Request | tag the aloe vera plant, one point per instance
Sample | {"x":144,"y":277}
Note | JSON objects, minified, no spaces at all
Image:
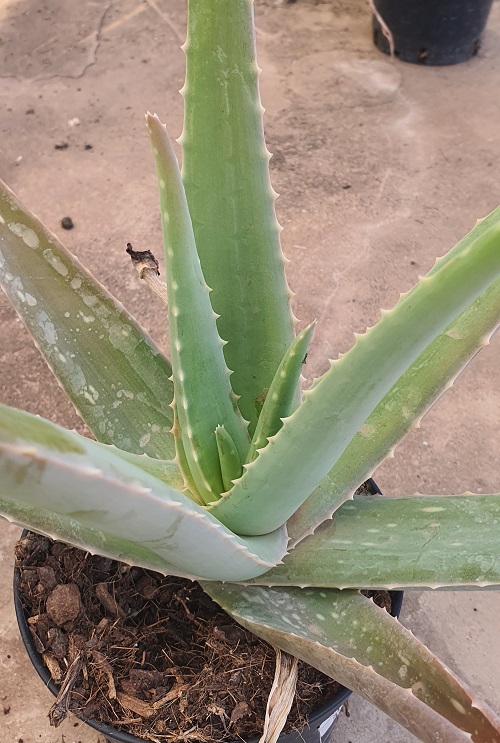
{"x":215,"y":465}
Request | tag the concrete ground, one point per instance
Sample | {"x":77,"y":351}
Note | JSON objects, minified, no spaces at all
{"x":381,"y":166}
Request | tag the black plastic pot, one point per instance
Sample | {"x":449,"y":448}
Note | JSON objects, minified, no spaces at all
{"x":431,"y":32}
{"x":319,"y":723}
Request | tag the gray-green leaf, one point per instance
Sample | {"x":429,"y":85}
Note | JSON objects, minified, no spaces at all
{"x":413,"y":542}
{"x":83,"y":493}
{"x":237,"y":235}
{"x":347,"y":637}
{"x":110,"y":369}
{"x":203,"y":395}
{"x":341,"y":401}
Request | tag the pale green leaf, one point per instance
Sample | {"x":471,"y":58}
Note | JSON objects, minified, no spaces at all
{"x":181,"y":459}
{"x":280,"y":400}
{"x":226,"y":175}
{"x":203,"y":394}
{"x":110,"y":369}
{"x":433,"y":372}
{"x":78,"y":491}
{"x":338,"y":405}
{"x":230,"y":463}
{"x":346,"y":636}
{"x":412,"y":542}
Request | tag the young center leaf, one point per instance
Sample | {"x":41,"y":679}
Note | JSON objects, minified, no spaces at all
{"x":203,"y":395}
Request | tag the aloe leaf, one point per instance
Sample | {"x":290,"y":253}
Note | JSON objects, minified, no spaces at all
{"x":203,"y":393}
{"x":280,"y":399}
{"x":18,"y":426}
{"x":410,"y":542}
{"x":402,"y":409}
{"x":225,"y":157}
{"x":338,"y":405}
{"x":181,"y":459}
{"x":230,"y":463}
{"x":162,"y":469}
{"x":110,"y":369}
{"x":346,"y":636}
{"x":81,"y":492}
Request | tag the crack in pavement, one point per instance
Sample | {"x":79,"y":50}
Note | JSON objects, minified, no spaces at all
{"x":93,"y":52}
{"x":96,"y":35}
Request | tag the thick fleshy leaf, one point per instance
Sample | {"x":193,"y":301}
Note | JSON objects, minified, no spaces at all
{"x":280,"y":400}
{"x":413,"y":542}
{"x":81,"y":492}
{"x":349,"y":638}
{"x":338,"y":405}
{"x":203,"y":394}
{"x":181,"y":459}
{"x":226,"y":175}
{"x":400,"y":410}
{"x":110,"y":369}
{"x":230,"y":462}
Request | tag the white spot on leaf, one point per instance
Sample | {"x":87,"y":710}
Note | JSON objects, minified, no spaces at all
{"x":144,"y":440}
{"x":458,"y":706}
{"x":49,"y":331}
{"x":367,"y":431}
{"x":55,"y":262}
{"x":27,"y":235}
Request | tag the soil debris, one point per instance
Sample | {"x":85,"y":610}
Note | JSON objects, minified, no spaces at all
{"x":64,"y":603}
{"x":150,"y":655}
{"x":67,"y":223}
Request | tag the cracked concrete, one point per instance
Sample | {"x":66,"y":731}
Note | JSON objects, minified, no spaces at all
{"x":381,"y":166}
{"x":94,"y":40}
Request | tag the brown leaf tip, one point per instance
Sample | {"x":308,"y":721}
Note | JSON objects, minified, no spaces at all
{"x":144,"y":258}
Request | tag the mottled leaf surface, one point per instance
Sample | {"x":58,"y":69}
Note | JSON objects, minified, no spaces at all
{"x":78,"y":491}
{"x":347,"y":637}
{"x":412,"y":542}
{"x":110,"y":369}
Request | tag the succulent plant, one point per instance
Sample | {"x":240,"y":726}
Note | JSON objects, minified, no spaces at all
{"x":214,"y":465}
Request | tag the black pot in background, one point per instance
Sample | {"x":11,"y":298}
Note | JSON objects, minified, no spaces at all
{"x":319,"y":723}
{"x":432,"y":32}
